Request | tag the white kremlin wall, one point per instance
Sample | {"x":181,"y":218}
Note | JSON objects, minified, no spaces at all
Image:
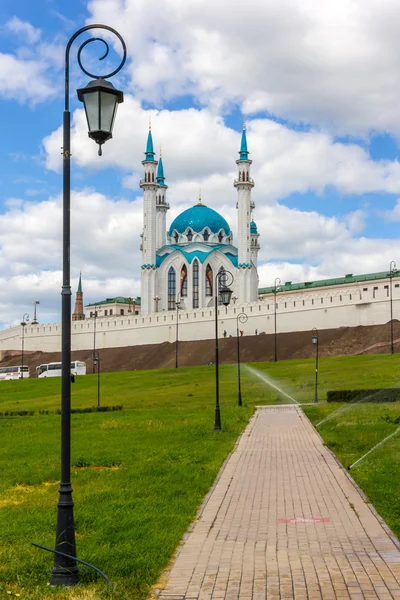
{"x":323,"y":308}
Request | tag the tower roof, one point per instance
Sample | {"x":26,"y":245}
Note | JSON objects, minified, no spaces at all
{"x":198,"y":218}
{"x":253,"y":227}
{"x":80,"y":283}
{"x":149,"y":148}
{"x":160,"y":173}
{"x":243,"y":153}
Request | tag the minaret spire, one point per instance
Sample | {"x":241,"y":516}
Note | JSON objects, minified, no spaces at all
{"x":79,"y":314}
{"x":161,"y":206}
{"x":244,"y":153}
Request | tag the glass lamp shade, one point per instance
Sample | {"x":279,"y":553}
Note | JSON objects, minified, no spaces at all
{"x":225,"y":295}
{"x":101,"y":100}
{"x":314,"y":339}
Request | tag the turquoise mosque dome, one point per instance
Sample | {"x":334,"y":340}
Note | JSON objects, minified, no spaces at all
{"x":197,"y":219}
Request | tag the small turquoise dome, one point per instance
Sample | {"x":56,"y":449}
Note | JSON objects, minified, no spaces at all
{"x":253,"y":227}
{"x":198,"y":218}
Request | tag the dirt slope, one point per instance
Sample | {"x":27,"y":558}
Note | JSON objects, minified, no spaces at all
{"x":332,"y":342}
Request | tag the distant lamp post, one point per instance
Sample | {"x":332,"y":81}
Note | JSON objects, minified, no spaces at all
{"x":34,"y":322}
{"x":315,"y":342}
{"x":24,"y":321}
{"x":277,"y":287}
{"x":242,"y":317}
{"x":156,"y":301}
{"x":223,"y":294}
{"x":97,"y":363}
{"x":94,"y":340}
{"x":100,"y":99}
{"x":178,"y":306}
{"x":392,"y":272}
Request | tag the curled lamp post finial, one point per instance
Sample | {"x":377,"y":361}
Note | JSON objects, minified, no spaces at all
{"x":100,"y":97}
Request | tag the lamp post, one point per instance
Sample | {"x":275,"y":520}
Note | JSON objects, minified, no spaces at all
{"x":315,"y":342}
{"x":100,"y":99}
{"x":242,"y":317}
{"x":24,"y":321}
{"x":223,"y":293}
{"x":97,"y":363}
{"x":178,"y":305}
{"x":392,"y":271}
{"x":94,"y":339}
{"x":34,"y":322}
{"x":276,"y":286}
{"x":156,"y":301}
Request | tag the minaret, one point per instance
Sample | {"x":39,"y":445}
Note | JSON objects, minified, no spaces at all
{"x":244,"y":185}
{"x":150,"y":188}
{"x":78,"y":314}
{"x":161,"y":207}
{"x":254,"y":244}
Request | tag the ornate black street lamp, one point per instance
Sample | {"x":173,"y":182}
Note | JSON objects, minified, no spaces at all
{"x":242,"y":317}
{"x":100,"y":99}
{"x":24,"y":321}
{"x":277,"y":286}
{"x":315,"y":342}
{"x":178,"y":305}
{"x":223,"y":294}
{"x":392,"y":272}
{"x":97,"y":363}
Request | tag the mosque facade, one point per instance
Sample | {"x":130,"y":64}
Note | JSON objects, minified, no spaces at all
{"x":181,"y":264}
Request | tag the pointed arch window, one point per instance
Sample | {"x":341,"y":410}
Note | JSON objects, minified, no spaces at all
{"x":189,"y":235}
{"x":184,"y":281}
{"x":209,"y":281}
{"x":206,"y":235}
{"x":195,"y":284}
{"x":176,"y":236}
{"x":171,"y":288}
{"x":220,"y":237}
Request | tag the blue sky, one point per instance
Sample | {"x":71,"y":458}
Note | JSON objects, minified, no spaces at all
{"x":317,"y":85}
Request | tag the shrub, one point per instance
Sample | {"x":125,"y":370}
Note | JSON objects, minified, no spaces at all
{"x":369,"y":395}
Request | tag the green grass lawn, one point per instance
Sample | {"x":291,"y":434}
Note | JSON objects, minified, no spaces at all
{"x":139,"y":475}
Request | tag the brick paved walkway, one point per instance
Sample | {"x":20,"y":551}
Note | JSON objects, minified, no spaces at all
{"x":284,"y":521}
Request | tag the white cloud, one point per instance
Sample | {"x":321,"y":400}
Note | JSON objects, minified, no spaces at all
{"x":394,"y":214}
{"x":200,"y":151}
{"x":25,"y":30}
{"x":330,"y":64}
{"x":15,"y":75}
{"x":104,"y":245}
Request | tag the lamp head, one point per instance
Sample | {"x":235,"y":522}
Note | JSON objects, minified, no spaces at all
{"x":225,"y":295}
{"x":101,"y":100}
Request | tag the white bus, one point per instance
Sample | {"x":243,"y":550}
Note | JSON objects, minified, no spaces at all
{"x":7,"y":373}
{"x":78,"y":367}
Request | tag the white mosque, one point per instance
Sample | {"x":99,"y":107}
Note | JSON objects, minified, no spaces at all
{"x":181,"y":264}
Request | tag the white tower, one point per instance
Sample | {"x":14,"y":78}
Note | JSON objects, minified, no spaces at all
{"x":161,"y":207}
{"x":244,"y":185}
{"x":150,"y":187}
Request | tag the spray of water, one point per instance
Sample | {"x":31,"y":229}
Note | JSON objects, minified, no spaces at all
{"x":342,"y":409}
{"x":268,"y":381}
{"x":374,"y":448}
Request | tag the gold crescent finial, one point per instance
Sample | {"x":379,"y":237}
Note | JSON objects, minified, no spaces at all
{"x":200,"y":202}
{"x":160,"y":151}
{"x":244,"y":124}
{"x":149,"y":123}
